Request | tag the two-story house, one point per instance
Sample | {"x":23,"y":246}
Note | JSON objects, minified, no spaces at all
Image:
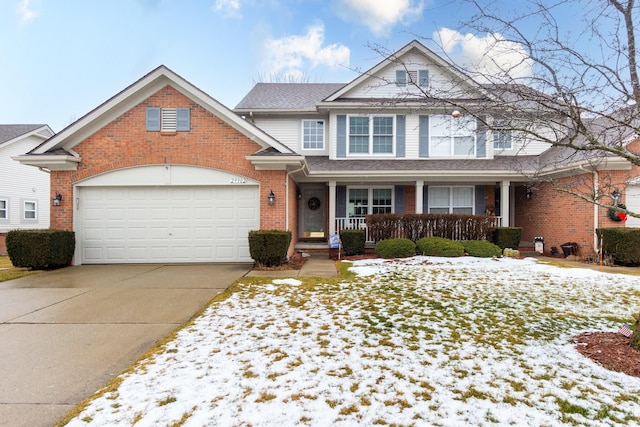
{"x":163,"y":172}
{"x":379,"y":145}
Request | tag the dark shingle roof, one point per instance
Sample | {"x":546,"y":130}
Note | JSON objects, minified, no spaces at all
{"x":9,"y":132}
{"x":321,"y":164}
{"x":287,"y":96}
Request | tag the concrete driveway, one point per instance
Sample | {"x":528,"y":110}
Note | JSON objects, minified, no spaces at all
{"x":64,"y":334}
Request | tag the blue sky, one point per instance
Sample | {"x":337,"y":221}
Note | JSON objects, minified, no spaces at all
{"x":61,"y":59}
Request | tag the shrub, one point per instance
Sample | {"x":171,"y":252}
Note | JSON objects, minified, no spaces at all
{"x":40,"y":249}
{"x":352,"y":241}
{"x":507,"y":237}
{"x":269,"y":248}
{"x":481,"y":248}
{"x":439,"y":246}
{"x":395,"y":248}
{"x":621,"y":244}
{"x":634,"y":341}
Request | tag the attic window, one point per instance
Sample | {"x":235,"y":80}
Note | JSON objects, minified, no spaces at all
{"x":413,"y":77}
{"x":168,"y":119}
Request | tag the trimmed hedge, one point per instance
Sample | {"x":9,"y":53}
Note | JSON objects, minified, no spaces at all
{"x":269,"y":248}
{"x":40,"y":249}
{"x":416,"y":226}
{"x":621,"y":244}
{"x":439,"y":246}
{"x":507,"y":237}
{"x":395,"y":248}
{"x":353,"y":241}
{"x":481,"y":248}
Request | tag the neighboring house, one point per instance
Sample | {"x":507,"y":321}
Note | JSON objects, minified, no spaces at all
{"x":24,"y":191}
{"x":162,"y":172}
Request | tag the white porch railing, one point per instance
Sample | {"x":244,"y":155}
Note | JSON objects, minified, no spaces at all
{"x":359,"y":223}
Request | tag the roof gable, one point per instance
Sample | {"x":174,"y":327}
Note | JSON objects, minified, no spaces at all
{"x":138,"y":92}
{"x":12,"y":133}
{"x":412,"y":55}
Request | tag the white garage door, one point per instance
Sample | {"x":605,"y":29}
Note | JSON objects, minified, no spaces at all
{"x":167,"y":224}
{"x":633,"y":204}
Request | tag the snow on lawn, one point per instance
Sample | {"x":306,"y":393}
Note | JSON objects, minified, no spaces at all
{"x":423,"y":341}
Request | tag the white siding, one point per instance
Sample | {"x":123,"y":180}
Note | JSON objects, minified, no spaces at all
{"x":289,"y":131}
{"x":19,"y":183}
{"x":441,"y":82}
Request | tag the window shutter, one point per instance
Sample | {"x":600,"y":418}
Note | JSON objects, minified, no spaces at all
{"x":401,"y":78}
{"x":399,"y":199}
{"x":153,"y":118}
{"x":341,"y":140}
{"x":183,"y":122}
{"x":423,"y":78}
{"x":341,"y":201}
{"x":423,"y":136}
{"x":481,"y":138}
{"x":481,"y":206}
{"x":425,"y":199}
{"x":400,"y":135}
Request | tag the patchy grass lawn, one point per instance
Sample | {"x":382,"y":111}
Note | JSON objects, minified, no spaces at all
{"x":425,"y":341}
{"x":9,"y":272}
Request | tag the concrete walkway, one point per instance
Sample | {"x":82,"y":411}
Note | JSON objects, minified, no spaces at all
{"x":317,"y":265}
{"x":65,"y":334}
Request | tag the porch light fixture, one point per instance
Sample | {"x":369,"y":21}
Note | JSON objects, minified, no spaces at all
{"x":529,"y":193}
{"x":617,"y":197}
{"x":271,"y":198}
{"x":57,"y":199}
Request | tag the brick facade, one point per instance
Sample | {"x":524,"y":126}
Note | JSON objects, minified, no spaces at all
{"x":210,"y":143}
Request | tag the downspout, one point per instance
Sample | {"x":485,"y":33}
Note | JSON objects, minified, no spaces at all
{"x":286,"y":189}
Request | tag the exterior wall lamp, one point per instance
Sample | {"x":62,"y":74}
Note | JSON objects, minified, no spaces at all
{"x":57,"y":199}
{"x":271,"y":198}
{"x":529,"y":194}
{"x":617,"y":197}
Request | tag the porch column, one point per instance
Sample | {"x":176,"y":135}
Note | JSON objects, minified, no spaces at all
{"x":419,"y":196}
{"x":332,"y":207}
{"x":505,"y":203}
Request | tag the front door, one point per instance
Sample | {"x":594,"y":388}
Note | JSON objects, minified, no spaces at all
{"x":313,"y":212}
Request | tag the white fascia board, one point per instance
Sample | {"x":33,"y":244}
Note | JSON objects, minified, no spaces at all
{"x":51,"y":162}
{"x":275,"y":162}
{"x":414,"y":174}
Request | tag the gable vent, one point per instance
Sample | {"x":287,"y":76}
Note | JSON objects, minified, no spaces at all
{"x":169,"y":120}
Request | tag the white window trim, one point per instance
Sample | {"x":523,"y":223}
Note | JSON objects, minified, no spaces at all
{"x":6,"y":209}
{"x":323,"y":134}
{"x":370,"y":197}
{"x":24,"y":210}
{"x":370,"y":151}
{"x":451,"y":139}
{"x":501,"y":126}
{"x":451,"y":206}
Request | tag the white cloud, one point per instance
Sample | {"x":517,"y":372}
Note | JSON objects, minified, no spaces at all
{"x":229,"y":8}
{"x":489,"y":58}
{"x":293,"y":55}
{"x":380,"y":15}
{"x":25,"y":12}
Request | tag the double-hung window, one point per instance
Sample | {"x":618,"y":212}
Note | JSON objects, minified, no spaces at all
{"x":365,"y":201}
{"x":29,"y":210}
{"x":451,"y":200}
{"x":4,"y":209}
{"x":371,"y":135}
{"x":501,"y":135}
{"x":452,"y":136}
{"x":313,"y":134}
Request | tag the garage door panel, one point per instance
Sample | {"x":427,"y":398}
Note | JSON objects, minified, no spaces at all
{"x":167,"y":224}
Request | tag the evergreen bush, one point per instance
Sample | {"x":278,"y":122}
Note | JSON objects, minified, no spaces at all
{"x":507,"y":237}
{"x":352,"y":241}
{"x":395,"y":248}
{"x":439,"y":246}
{"x":481,"y":248}
{"x":40,"y":249}
{"x":268,"y":248}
